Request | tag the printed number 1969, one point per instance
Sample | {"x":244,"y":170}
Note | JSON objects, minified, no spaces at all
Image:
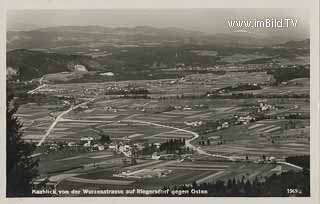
{"x":294,"y":191}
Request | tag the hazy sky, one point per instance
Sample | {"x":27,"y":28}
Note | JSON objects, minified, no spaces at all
{"x":204,"y":20}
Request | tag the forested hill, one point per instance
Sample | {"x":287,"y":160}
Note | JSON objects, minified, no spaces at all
{"x":297,"y":44}
{"x":34,"y":64}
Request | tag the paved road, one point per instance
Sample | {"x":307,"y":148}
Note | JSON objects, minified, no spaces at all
{"x":87,"y":121}
{"x":198,"y":149}
{"x":36,"y":89}
{"x":39,"y":87}
{"x":58,"y":118}
{"x":292,"y":165}
{"x":188,"y":142}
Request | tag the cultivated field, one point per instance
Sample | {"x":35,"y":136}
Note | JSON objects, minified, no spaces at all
{"x":155,"y":119}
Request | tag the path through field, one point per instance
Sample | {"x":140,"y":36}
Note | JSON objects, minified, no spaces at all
{"x":58,"y":118}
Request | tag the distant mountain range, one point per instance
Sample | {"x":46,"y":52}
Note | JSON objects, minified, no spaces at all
{"x":53,"y":37}
{"x":305,"y":44}
{"x":38,"y":52}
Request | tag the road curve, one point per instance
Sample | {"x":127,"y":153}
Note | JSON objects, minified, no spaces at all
{"x":188,"y":142}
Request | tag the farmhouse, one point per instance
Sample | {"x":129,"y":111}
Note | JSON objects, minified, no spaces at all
{"x":87,"y":141}
{"x":98,"y":147}
{"x":265,"y":107}
{"x":194,"y":123}
{"x":139,"y":146}
{"x":71,"y":144}
{"x":155,"y":156}
{"x":112,"y":146}
{"x":157,"y":145}
{"x":79,"y":68}
{"x":225,"y":125}
{"x":124,"y":148}
{"x":107,"y":74}
{"x":245,"y":119}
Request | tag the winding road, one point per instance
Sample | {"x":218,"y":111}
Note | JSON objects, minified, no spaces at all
{"x":188,"y":142}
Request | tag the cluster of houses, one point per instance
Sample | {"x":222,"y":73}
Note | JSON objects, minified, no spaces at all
{"x":120,"y":90}
{"x":109,"y":89}
{"x":110,"y":109}
{"x":245,"y":119}
{"x":223,"y":126}
{"x":226,"y":124}
{"x":181,"y":80}
{"x":113,"y":88}
{"x":239,"y":120}
{"x":265,"y":107}
{"x":126,"y":149}
{"x":182,"y":66}
{"x":119,"y":147}
{"x":186,"y":107}
{"x":157,"y":156}
{"x":193,"y":123}
{"x":87,"y":142}
{"x":123,"y":148}
{"x":144,"y":173}
{"x":94,"y":145}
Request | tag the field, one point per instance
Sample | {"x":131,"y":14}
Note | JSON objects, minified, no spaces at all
{"x":88,"y":122}
{"x":189,"y":85}
{"x":36,"y":119}
{"x":64,"y":161}
{"x":162,"y":116}
{"x":239,"y":58}
{"x":268,"y":138}
{"x":185,"y":172}
{"x":156,"y":107}
{"x":123,"y":118}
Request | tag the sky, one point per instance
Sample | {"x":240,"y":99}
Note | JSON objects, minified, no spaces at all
{"x":209,"y":21}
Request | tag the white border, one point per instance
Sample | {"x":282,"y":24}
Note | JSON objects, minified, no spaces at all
{"x":312,"y":5}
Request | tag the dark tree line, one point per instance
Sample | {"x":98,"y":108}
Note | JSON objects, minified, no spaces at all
{"x":172,"y":145}
{"x":251,"y":95}
{"x":235,"y":96}
{"x":273,"y":186}
{"x":149,"y":149}
{"x":240,"y":87}
{"x":104,"y":139}
{"x":133,"y":91}
{"x":287,"y":74}
{"x":21,"y":167}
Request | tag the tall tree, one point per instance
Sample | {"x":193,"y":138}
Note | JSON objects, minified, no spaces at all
{"x":104,"y":139}
{"x":21,"y":167}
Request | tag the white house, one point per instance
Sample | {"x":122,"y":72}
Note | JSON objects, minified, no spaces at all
{"x":79,"y":68}
{"x":155,"y":156}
